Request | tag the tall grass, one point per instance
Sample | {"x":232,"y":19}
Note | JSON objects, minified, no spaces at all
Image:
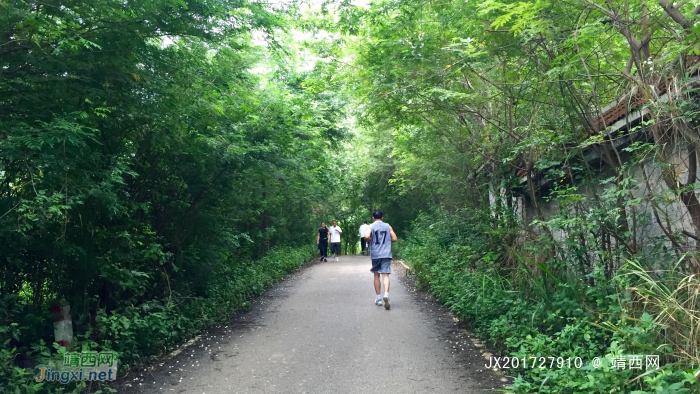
{"x":674,"y":300}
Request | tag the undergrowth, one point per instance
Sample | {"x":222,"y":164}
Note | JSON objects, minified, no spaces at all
{"x":528,"y":304}
{"x":142,"y":333}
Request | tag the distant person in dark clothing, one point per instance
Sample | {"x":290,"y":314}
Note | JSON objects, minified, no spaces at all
{"x":322,"y":241}
{"x":363,"y":241}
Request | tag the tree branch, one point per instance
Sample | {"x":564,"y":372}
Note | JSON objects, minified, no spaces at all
{"x":675,"y":14}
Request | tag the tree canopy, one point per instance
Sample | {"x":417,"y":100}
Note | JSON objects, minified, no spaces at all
{"x":163,"y":161}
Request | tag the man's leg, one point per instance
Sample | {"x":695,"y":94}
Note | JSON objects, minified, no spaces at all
{"x":378,"y":289}
{"x":386,"y":270}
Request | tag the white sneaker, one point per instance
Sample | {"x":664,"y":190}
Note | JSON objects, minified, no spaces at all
{"x":378,"y":302}
{"x":386,"y":301}
{"x":336,"y":259}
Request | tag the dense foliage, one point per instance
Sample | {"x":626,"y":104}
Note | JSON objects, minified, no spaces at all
{"x":159,"y":163}
{"x":148,"y":177}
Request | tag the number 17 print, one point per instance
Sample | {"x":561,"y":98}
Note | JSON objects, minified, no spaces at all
{"x":376,"y":237}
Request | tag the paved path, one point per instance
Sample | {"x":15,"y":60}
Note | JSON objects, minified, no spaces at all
{"x":319,"y":332}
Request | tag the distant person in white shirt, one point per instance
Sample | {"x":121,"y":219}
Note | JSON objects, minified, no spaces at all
{"x":363,"y":241}
{"x":335,"y":239}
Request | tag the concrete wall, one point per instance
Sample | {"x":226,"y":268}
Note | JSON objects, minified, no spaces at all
{"x":672,"y":211}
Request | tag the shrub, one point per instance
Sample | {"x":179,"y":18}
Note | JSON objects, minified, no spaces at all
{"x":141,"y":333}
{"x":526,"y":308}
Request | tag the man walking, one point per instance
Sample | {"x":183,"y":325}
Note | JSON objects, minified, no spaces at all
{"x":380,"y":236}
{"x":322,"y":241}
{"x":335,"y":239}
{"x":363,"y":241}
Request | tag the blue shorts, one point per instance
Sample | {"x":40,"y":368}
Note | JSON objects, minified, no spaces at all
{"x":382,"y":266}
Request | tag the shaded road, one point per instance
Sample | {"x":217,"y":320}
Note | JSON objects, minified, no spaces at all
{"x":319,"y":331}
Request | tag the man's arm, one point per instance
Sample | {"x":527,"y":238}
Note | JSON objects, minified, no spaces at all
{"x":394,"y":238}
{"x":368,"y":233}
{"x":339,"y":230}
{"x":318,"y":238}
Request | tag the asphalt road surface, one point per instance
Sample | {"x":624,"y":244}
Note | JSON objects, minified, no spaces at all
{"x":318,"y":331}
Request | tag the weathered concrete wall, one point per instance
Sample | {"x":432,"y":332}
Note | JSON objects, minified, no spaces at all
{"x":672,"y":212}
